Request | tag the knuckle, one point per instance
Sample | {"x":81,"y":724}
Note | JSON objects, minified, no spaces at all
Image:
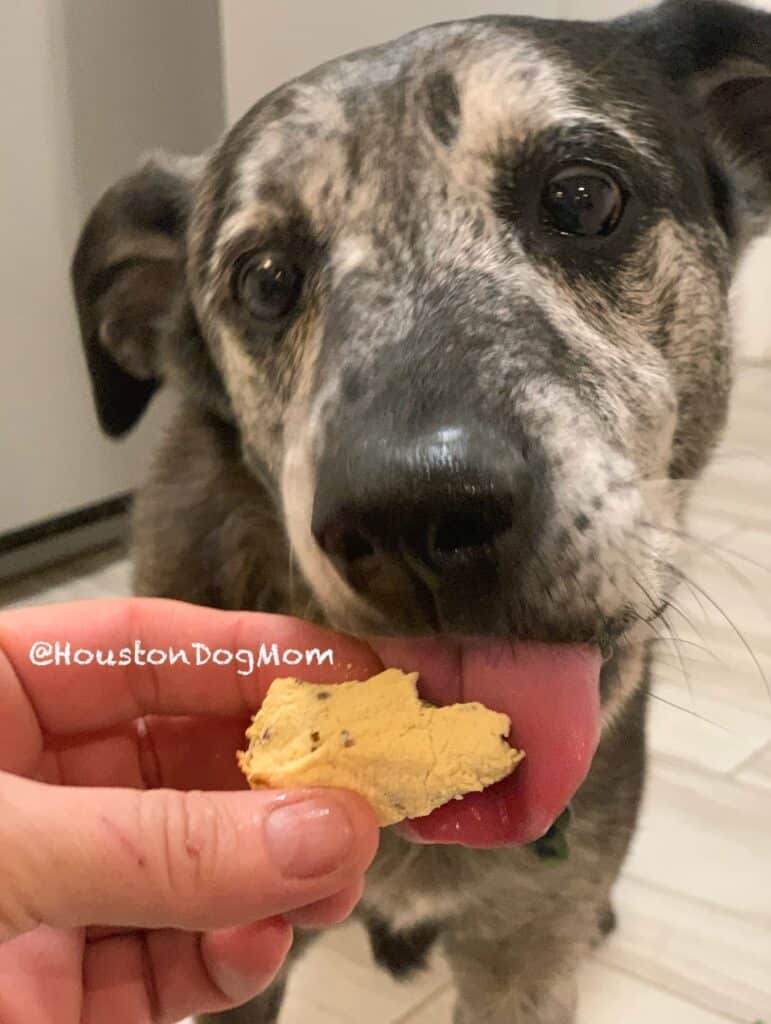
{"x":196,"y":837}
{"x":19,"y":891}
{"x":142,"y":679}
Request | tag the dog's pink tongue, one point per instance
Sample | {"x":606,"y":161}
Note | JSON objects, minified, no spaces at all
{"x":551,"y":694}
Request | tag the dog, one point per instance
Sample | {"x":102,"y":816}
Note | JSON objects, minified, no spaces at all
{"x":449,"y":321}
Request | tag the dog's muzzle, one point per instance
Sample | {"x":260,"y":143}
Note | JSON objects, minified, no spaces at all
{"x":429,"y":526}
{"x":435,"y":528}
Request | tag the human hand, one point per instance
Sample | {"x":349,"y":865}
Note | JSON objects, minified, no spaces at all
{"x":135,"y":885}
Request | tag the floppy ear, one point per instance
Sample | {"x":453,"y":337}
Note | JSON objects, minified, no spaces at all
{"x":128,"y":278}
{"x":719,"y":54}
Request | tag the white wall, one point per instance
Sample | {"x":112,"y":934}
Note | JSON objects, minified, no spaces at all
{"x":596,"y":9}
{"x":85,"y":87}
{"x":264,"y":46}
{"x":752,"y":293}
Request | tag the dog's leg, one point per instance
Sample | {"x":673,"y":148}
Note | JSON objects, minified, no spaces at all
{"x":265,"y":1008}
{"x":606,"y":924}
{"x":404,"y":952}
{"x":505,"y":981}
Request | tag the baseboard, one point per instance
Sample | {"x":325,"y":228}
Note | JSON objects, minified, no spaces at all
{"x":63,"y":537}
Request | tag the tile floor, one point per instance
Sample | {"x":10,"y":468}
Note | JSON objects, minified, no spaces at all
{"x":694,"y":942}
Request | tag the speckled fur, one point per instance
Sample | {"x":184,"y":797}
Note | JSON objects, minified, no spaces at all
{"x":406,"y":179}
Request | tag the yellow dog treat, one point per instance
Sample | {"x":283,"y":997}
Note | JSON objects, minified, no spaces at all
{"x":378,"y":738}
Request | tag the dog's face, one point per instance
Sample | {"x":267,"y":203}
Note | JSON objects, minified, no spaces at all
{"x":465,"y":298}
{"x":470,"y":318}
{"x":467,"y":301}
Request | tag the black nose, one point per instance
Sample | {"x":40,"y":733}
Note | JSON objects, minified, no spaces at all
{"x":412,"y":523}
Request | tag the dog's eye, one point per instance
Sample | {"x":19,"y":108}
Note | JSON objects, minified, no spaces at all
{"x":583,"y":200}
{"x":268,"y":285}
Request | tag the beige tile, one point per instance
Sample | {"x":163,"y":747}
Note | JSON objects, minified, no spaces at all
{"x":757,"y":772}
{"x":741,"y":608}
{"x":706,"y":837}
{"x":341,"y":984}
{"x":744,"y":503}
{"x":609,"y":996}
{"x":437,"y":1010}
{"x":699,"y":951}
{"x":300,"y":1008}
{"x":720,"y":541}
{"x":704,"y":730}
{"x":731,"y":577}
{"x":719,"y":665}
{"x":714,"y":688}
{"x":695,"y":902}
{"x":352,"y":942}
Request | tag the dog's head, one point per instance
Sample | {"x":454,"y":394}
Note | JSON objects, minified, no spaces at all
{"x":465,"y":298}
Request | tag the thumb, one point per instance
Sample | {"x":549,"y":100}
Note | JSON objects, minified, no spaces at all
{"x":169,"y":859}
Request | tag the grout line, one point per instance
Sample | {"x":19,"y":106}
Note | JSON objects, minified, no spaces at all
{"x":671,"y":991}
{"x":404,"y":1018}
{"x":687,"y":774}
{"x":762,"y":362}
{"x":671,"y":762}
{"x":734,"y":913}
{"x":750,"y":759}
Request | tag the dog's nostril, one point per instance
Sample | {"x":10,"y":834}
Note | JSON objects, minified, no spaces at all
{"x":456,"y":533}
{"x":347,"y":543}
{"x":355,"y":545}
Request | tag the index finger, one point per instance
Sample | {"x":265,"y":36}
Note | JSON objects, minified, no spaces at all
{"x":80,"y":694}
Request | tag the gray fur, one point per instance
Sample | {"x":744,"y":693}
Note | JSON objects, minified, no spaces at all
{"x":405,"y":180}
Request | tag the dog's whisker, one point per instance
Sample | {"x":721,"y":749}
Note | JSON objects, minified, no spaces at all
{"x":699,"y":647}
{"x":699,"y":590}
{"x":658,"y":612}
{"x":683,"y":615}
{"x":686,"y":711}
{"x":708,"y":545}
{"x":672,"y":569}
{"x":745,"y":643}
{"x":680,"y":659}
{"x":673,"y":638}
{"x":669,"y":567}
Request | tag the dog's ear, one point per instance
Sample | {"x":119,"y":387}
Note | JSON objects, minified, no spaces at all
{"x":719,"y":54}
{"x":128,"y":278}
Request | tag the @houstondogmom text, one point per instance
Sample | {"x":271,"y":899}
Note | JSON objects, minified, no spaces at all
{"x":44,"y":653}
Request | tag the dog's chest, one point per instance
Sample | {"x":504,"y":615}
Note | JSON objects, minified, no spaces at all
{"x":410,"y":885}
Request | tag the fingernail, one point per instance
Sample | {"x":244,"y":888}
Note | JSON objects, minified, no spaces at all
{"x":308,"y":839}
{"x":244,"y":960}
